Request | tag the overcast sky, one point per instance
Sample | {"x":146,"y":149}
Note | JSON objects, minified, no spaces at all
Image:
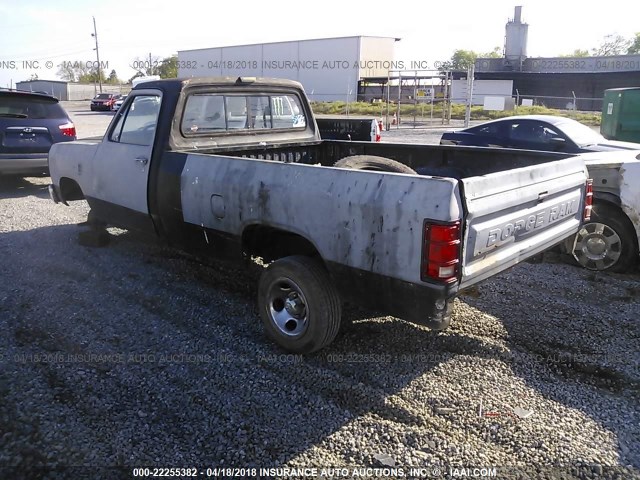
{"x":60,"y":30}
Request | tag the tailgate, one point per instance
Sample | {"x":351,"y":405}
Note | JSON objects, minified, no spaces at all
{"x":514,"y":214}
{"x":17,"y":139}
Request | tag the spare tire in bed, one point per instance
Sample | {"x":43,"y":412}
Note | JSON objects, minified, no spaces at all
{"x":371,"y":162}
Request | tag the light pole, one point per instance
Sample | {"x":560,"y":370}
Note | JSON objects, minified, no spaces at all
{"x":95,"y":35}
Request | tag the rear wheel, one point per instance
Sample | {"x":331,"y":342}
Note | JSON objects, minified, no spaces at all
{"x":606,"y":242}
{"x":374,"y":163}
{"x":299,"y":306}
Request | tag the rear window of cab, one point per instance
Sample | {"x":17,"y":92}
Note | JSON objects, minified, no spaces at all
{"x":209,"y":113}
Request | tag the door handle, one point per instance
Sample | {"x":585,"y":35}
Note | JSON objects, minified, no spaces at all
{"x":142,"y":160}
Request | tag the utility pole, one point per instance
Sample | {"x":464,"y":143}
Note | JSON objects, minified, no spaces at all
{"x":467,"y":113}
{"x":95,"y":35}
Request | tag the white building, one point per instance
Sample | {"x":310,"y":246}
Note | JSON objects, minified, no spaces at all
{"x":481,"y":89}
{"x":68,"y":90}
{"x":328,"y":68}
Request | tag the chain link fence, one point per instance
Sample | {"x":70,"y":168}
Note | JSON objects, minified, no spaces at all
{"x":431,"y":98}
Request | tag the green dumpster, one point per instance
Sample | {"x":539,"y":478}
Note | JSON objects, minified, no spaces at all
{"x":621,"y":114}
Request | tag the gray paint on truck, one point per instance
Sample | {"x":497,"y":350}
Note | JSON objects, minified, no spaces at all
{"x":366,"y":220}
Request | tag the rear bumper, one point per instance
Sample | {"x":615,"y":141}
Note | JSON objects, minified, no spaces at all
{"x":425,"y":304}
{"x":23,"y":164}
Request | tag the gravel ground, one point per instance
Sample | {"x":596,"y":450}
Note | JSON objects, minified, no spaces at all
{"x":135,"y":355}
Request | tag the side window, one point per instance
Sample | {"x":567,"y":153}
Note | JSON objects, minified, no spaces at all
{"x":520,"y":131}
{"x":533,"y":132}
{"x":137,"y":125}
{"x":491,"y":129}
{"x":550,"y":133}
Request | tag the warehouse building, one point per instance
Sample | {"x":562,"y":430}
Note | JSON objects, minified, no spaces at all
{"x":69,"y":90}
{"x":328,"y":68}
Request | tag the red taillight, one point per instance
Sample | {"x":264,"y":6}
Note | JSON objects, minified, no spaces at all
{"x":440,"y":252}
{"x":68,"y":129}
{"x":379,"y":132}
{"x":588,"y":200}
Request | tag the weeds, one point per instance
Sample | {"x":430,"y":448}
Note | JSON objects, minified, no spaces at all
{"x":457,"y":111}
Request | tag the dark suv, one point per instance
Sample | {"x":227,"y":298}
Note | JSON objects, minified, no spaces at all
{"x":29,"y":124}
{"x":103,"y":101}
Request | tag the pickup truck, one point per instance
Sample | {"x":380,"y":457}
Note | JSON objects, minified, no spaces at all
{"x":215,"y":167}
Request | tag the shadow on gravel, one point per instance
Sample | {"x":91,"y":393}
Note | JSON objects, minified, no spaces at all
{"x":16,"y":187}
{"x":120,"y":356}
{"x":583,"y":330}
{"x":137,"y":355}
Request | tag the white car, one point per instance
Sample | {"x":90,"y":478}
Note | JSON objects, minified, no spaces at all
{"x":119,"y":102}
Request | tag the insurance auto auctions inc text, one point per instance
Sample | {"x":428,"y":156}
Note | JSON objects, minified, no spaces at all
{"x":358,"y":472}
{"x":309,"y":64}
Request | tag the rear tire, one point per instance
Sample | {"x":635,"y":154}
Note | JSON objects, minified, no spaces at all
{"x":373,"y":163}
{"x":607,"y":242}
{"x":299,"y":306}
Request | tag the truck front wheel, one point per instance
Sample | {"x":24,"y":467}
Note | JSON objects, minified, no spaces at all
{"x":299,"y":305}
{"x":606,"y":242}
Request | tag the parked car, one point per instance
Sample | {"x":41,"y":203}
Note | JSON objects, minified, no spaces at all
{"x":103,"y":101}
{"x":536,"y":132}
{"x":119,"y":101}
{"x":29,"y":124}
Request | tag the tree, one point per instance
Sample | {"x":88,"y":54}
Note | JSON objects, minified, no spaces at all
{"x":146,"y":66}
{"x":113,"y":78}
{"x":460,"y":60}
{"x":634,"y":48}
{"x":66,"y":72}
{"x":612,"y":45}
{"x":495,"y":53}
{"x":91,"y":76}
{"x":168,"y":67}
{"x":165,"y":68}
{"x":463,"y":59}
{"x":577,"y":53}
{"x":79,"y":71}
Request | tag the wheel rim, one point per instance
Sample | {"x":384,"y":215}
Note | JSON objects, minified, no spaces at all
{"x":287,"y":307}
{"x":597,"y":246}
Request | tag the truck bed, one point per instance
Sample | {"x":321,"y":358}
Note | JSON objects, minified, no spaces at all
{"x":435,"y":160}
{"x":513,"y":202}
